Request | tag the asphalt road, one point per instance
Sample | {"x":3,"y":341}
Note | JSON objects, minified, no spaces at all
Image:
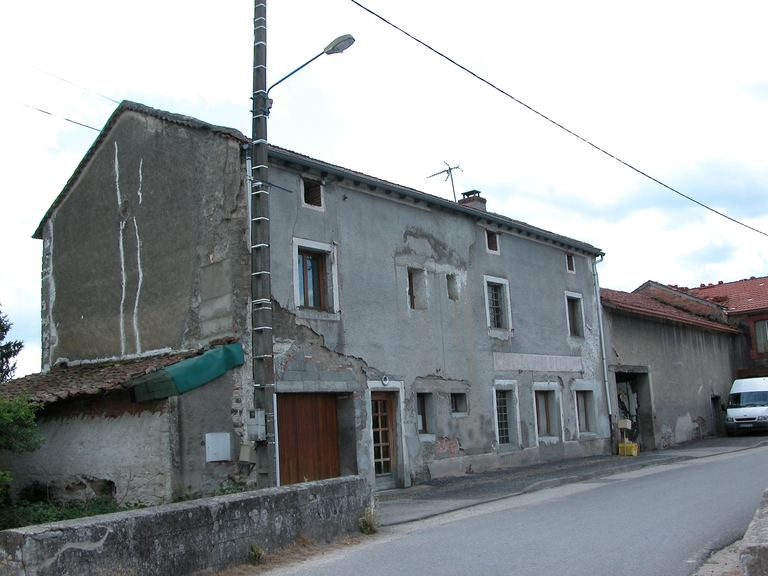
{"x":656,"y":521}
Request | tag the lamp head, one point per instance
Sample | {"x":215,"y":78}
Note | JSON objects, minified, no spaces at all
{"x":340,"y":44}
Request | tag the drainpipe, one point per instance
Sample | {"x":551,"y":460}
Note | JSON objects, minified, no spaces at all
{"x":602,"y":338}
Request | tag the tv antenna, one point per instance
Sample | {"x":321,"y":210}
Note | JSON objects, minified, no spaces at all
{"x":449,"y":172}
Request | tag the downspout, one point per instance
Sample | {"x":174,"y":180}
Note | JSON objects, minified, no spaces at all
{"x":602,"y":339}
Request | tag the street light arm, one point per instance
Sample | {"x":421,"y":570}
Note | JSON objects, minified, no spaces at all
{"x":307,"y":63}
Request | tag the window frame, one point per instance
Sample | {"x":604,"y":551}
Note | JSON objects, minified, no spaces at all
{"x":496,"y":236}
{"x":452,"y":286}
{"x":416,"y":279}
{"x":459,"y":404}
{"x":321,"y":187}
{"x":588,"y":411}
{"x":330,"y":281}
{"x":754,"y":327}
{"x":506,"y":312}
{"x":509,"y":389}
{"x":554,"y":412}
{"x":575,"y":319}
{"x":570,"y":263}
{"x":425,"y":414}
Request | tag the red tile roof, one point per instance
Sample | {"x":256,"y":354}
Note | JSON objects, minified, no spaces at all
{"x":77,"y":381}
{"x":645,"y":305}
{"x":737,"y":297}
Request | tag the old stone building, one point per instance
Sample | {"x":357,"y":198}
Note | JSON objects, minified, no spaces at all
{"x":412,"y":337}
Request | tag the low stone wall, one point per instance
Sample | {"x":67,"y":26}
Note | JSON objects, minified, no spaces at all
{"x":189,"y":537}
{"x":754,"y":547}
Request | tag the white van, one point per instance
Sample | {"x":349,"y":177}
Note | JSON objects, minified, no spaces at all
{"x":747,"y":406}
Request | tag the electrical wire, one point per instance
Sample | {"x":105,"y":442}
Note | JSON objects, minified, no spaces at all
{"x":73,"y":84}
{"x":51,"y":114}
{"x":548,"y":119}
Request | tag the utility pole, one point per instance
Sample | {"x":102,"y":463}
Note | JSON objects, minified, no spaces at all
{"x":261,"y":284}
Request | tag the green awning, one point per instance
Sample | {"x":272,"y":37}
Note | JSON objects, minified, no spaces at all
{"x":187,"y":374}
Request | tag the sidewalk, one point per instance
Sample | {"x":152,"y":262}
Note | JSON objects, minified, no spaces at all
{"x":447,"y":494}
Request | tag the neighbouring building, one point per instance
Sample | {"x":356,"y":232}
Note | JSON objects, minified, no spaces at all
{"x":412,"y":336}
{"x":671,"y":360}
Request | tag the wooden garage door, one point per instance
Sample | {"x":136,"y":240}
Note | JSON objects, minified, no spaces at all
{"x":308,"y":437}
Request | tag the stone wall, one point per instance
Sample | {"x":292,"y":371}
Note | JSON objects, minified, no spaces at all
{"x":189,"y":537}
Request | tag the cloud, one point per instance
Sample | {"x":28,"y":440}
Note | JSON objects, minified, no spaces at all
{"x":758,"y":91}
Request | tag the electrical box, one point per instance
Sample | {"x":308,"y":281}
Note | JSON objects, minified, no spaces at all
{"x":218,"y":447}
{"x":247,"y":454}
{"x":256,"y":425}
{"x":625,"y":424}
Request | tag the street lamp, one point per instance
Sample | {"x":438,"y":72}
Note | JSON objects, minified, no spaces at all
{"x":262,"y":361}
{"x":336,"y":47}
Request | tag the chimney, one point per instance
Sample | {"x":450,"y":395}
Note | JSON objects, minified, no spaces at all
{"x":473,"y":200}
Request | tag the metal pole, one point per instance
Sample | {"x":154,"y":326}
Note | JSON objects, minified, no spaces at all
{"x":261,"y":285}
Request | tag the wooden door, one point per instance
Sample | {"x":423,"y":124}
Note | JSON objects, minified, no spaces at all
{"x":308,"y":437}
{"x":384,"y":439}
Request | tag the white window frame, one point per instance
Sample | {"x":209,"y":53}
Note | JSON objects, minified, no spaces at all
{"x":320,"y":208}
{"x":585,"y":386}
{"x":507,"y":386}
{"x":580,"y":298}
{"x":548,"y":387}
{"x":570,"y":258}
{"x":506,"y":330}
{"x":497,"y":234}
{"x":331,"y":271}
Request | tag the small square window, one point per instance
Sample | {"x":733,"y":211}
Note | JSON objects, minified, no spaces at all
{"x":312,"y":193}
{"x":492,"y":241}
{"x":575,"y":316}
{"x":458,"y":403}
{"x":453,"y":286}
{"x":424,"y":413}
{"x":570,"y":263}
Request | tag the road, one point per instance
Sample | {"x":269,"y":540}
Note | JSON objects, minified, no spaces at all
{"x":663,"y":520}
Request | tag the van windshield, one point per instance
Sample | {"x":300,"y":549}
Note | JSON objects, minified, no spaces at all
{"x":748,"y":399}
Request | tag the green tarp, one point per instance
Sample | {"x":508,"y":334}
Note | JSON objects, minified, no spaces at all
{"x":187,"y":374}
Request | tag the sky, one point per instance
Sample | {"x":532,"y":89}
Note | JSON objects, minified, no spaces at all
{"x":679,"y":90}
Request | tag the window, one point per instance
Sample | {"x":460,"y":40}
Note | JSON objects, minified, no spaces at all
{"x":543,"y":413}
{"x":315,"y":277}
{"x":502,"y":415}
{"x":575,"y":315}
{"x":492,"y":241}
{"x":583,"y":409}
{"x":497,"y":303}
{"x":424,"y":413}
{"x":761,"y":336}
{"x":311,"y":280}
{"x":311,"y":193}
{"x":458,"y":403}
{"x":570,"y":263}
{"x":452,"y":286}
{"x":417,"y":289}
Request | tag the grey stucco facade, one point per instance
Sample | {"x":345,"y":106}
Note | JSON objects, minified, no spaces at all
{"x":413,"y":337}
{"x":670,"y":374}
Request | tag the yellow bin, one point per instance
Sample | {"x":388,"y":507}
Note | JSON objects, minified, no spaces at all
{"x":627,"y":449}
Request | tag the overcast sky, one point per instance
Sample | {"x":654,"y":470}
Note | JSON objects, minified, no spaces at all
{"x":677,"y":89}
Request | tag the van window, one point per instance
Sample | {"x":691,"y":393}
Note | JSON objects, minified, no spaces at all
{"x":747,"y":399}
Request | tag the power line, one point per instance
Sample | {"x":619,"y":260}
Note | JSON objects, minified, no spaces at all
{"x":548,"y":119}
{"x":51,"y":114}
{"x":73,"y":84}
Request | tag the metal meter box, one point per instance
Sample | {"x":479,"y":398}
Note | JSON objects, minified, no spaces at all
{"x":218,"y":447}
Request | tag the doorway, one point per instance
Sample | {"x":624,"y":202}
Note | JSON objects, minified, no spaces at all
{"x":384,"y":439}
{"x":635,"y":403}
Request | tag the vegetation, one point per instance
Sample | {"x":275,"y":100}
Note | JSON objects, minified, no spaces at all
{"x":8,"y":350}
{"x":369,"y":521}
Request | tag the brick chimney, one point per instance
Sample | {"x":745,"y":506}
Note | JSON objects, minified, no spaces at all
{"x":473,"y":200}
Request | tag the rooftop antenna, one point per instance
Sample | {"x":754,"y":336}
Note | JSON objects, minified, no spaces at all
{"x":449,"y":172}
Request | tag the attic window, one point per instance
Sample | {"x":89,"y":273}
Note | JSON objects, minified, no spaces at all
{"x":492,"y":239}
{"x":570,"y":263}
{"x":312,"y":193}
